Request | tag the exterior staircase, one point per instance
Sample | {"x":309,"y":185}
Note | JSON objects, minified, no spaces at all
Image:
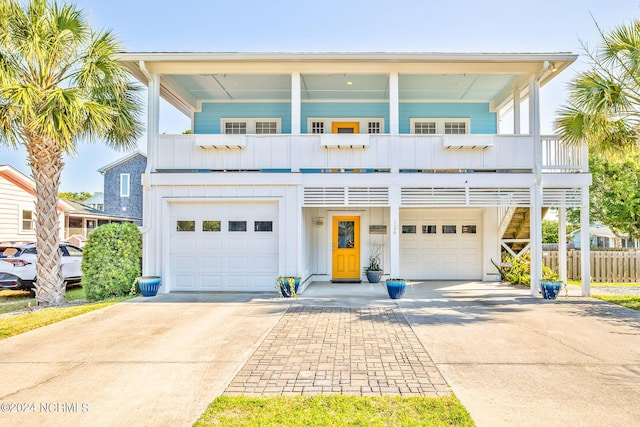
{"x":518,"y":228}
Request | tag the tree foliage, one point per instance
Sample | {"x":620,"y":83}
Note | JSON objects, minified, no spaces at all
{"x":603,"y":105}
{"x":60,"y":83}
{"x":76,"y":197}
{"x":111,"y":260}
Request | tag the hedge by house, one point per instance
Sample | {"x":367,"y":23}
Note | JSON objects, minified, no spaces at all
{"x":111,"y":260}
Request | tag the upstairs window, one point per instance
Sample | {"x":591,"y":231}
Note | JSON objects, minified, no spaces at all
{"x":373,"y":127}
{"x":124,"y":185}
{"x":317,"y":127}
{"x":250,"y":126}
{"x":446,"y":126}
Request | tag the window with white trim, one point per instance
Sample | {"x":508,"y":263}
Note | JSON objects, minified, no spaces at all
{"x":323,"y":124}
{"x":124,"y":184}
{"x":317,"y":127}
{"x":27,"y":220}
{"x":444,"y":126}
{"x":251,"y":126}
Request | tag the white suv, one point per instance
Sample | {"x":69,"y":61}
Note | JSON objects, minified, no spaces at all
{"x":18,"y":265}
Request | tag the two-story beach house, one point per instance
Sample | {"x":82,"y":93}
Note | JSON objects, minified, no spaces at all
{"x":302,"y":163}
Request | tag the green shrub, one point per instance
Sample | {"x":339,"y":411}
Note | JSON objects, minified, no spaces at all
{"x":517,"y":271}
{"x":111,"y":260}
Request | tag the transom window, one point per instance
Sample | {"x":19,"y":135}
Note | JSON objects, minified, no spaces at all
{"x":444,"y":126}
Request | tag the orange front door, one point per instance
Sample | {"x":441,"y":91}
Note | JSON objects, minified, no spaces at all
{"x":346,"y":247}
{"x":345,"y":127}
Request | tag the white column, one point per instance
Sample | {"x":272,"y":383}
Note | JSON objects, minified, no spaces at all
{"x":394,"y":104}
{"x":585,"y":244}
{"x":562,"y":243}
{"x":516,"y":111}
{"x":394,"y":231}
{"x":296,"y":103}
{"x":152,"y":255}
{"x":536,"y":197}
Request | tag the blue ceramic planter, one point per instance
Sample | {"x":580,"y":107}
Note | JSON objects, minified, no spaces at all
{"x":285,"y":290}
{"x":550,"y":289}
{"x":396,"y":288}
{"x":149,"y":285}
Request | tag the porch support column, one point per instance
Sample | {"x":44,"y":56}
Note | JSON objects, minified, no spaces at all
{"x":394,"y":104}
{"x":151,"y":256}
{"x":585,"y":244}
{"x":562,"y":243}
{"x":535,"y":217}
{"x":296,"y":103}
{"x":394,"y":235}
{"x":516,"y":111}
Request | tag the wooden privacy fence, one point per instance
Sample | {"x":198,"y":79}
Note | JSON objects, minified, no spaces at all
{"x":618,"y":266}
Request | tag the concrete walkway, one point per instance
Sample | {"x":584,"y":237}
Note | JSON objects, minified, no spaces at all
{"x":511,"y":359}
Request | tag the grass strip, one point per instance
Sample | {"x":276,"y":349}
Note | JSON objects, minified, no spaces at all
{"x":14,"y":325}
{"x":605,"y":285}
{"x":335,"y":410}
{"x":629,"y":301}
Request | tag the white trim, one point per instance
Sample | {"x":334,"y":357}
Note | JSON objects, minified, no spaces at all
{"x":21,"y":210}
{"x":251,"y":124}
{"x":122,"y":192}
{"x":440,"y":123}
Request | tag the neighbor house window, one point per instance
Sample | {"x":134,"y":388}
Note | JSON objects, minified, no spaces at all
{"x":445,"y":126}
{"x":28,"y":217}
{"x":124,"y":185}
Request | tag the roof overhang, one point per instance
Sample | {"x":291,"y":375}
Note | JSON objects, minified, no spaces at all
{"x":187,"y":79}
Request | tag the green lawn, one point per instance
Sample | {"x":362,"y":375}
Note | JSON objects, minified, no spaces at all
{"x":16,"y":300}
{"x":35,"y":318}
{"x":603,"y":285}
{"x":335,"y":410}
{"x":629,"y":301}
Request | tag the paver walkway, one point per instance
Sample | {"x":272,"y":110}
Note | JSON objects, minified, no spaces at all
{"x":340,"y":350}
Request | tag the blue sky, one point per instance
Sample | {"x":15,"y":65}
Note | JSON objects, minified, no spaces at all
{"x":337,"y":26}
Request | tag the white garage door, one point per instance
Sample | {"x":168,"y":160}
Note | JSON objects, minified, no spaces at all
{"x":223,"y":246}
{"x":441,"y":244}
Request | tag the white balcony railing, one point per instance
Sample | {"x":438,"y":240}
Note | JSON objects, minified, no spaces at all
{"x":381,"y":152}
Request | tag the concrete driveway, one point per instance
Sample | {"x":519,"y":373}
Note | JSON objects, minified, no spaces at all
{"x":514,"y":360}
{"x":144,"y":362}
{"x":511,"y":359}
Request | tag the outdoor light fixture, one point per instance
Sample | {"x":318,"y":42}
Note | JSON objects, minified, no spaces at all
{"x":319,"y":222}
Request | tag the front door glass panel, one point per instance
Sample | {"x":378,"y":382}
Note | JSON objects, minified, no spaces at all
{"x":346,"y":234}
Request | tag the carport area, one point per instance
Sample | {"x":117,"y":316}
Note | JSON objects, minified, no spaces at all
{"x":510,"y":358}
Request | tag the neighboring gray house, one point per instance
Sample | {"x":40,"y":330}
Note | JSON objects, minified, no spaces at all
{"x":123,"y":186}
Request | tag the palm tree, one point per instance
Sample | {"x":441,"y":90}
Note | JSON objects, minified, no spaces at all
{"x":59,"y":84}
{"x":603,"y":106}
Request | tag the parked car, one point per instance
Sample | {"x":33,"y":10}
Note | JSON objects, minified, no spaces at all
{"x":18,"y":265}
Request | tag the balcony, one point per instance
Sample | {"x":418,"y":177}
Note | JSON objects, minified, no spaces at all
{"x":387,"y":153}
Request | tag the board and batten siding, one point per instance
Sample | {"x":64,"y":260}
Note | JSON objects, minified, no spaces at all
{"x":208,"y":120}
{"x":12,"y":200}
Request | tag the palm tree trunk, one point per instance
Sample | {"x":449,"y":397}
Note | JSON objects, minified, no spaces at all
{"x":45,"y":159}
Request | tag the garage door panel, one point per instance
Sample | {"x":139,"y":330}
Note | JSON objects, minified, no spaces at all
{"x":439,"y":255}
{"x":220,"y":259}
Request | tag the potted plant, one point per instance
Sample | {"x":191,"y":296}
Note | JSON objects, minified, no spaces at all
{"x":373,"y":271}
{"x":287,"y":286}
{"x":396,"y":287}
{"x":550,"y":285}
{"x":149,"y":285}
